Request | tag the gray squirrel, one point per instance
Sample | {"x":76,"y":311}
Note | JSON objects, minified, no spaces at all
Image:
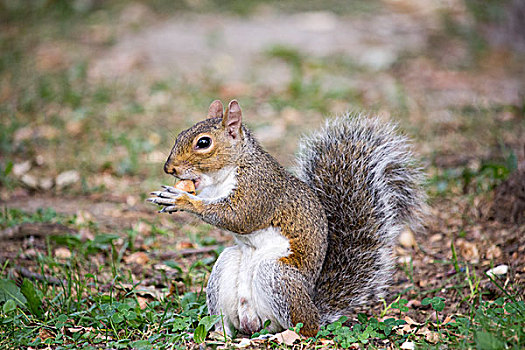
{"x":308,"y":248}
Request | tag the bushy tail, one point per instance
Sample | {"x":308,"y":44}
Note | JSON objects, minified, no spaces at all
{"x":370,"y":186}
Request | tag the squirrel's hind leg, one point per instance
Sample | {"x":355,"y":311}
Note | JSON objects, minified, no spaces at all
{"x":221,"y":291}
{"x":283,"y":290}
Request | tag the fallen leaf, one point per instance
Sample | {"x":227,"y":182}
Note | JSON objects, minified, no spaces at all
{"x":326,"y":342}
{"x":432,"y":337}
{"x":493,"y":252}
{"x":50,"y":57}
{"x":83,"y":217}
{"x":74,"y":127}
{"x":185,"y":245}
{"x":413,"y":304}
{"x":410,"y":321}
{"x":131,"y":201}
{"x":86,"y":234}
{"x":140,"y":258}
{"x":468,"y":250}
{"x":408,"y":345}
{"x":143,"y":302}
{"x":245,"y":342}
{"x":142,"y":228}
{"x":44,"y":334}
{"x":287,"y":337}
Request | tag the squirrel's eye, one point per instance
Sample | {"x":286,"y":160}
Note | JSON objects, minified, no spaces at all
{"x":203,"y":143}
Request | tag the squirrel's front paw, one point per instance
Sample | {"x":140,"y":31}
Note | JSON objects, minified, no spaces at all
{"x":174,"y":200}
{"x":170,"y":198}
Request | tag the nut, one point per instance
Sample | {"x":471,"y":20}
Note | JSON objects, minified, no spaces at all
{"x":186,"y":186}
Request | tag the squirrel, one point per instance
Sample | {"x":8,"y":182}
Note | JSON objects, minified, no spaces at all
{"x":308,"y":248}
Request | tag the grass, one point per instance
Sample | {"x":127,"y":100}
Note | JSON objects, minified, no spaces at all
{"x":76,"y":303}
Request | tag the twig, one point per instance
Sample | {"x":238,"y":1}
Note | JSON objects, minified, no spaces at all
{"x":36,"y":276}
{"x":34,"y":229}
{"x":189,"y":251}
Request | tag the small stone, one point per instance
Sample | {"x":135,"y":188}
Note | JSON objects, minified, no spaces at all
{"x":45,"y":183}
{"x":62,"y":253}
{"x":20,"y":169}
{"x":498,"y":270}
{"x":29,"y":181}
{"x":39,"y":160}
{"x":406,"y":239}
{"x":67,"y":178}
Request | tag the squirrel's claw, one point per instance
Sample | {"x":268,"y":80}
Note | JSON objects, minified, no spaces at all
{"x":172,"y":189}
{"x":165,"y":194}
{"x":162,"y":201}
{"x":169,"y":209}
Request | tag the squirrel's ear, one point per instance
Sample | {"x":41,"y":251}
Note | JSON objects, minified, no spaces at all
{"x":232,"y":119}
{"x":215,"y":110}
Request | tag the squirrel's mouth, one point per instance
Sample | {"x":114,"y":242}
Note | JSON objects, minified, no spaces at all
{"x":196,"y":183}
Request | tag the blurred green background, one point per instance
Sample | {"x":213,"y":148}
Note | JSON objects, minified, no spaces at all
{"x":97,"y":90}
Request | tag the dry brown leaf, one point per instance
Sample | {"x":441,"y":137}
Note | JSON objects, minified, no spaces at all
{"x":86,"y":234}
{"x":468,"y":250}
{"x":74,"y":127}
{"x":142,"y":228}
{"x":44,"y":334}
{"x":448,"y":319}
{"x":410,"y":321}
{"x":493,"y":252}
{"x":326,"y":342}
{"x":185,"y":245}
{"x":413,"y":304}
{"x":143,"y":302}
{"x":131,"y":200}
{"x":50,"y":57}
{"x":430,"y":336}
{"x":139,"y":258}
{"x":83,"y":217}
{"x":287,"y":337}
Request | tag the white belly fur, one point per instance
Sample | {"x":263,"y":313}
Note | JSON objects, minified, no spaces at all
{"x":243,"y":303}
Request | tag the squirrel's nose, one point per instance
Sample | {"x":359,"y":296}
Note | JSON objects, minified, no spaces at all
{"x":173,"y":168}
{"x":170,"y":168}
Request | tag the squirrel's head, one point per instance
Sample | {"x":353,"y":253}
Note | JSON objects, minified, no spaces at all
{"x":209,"y":146}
